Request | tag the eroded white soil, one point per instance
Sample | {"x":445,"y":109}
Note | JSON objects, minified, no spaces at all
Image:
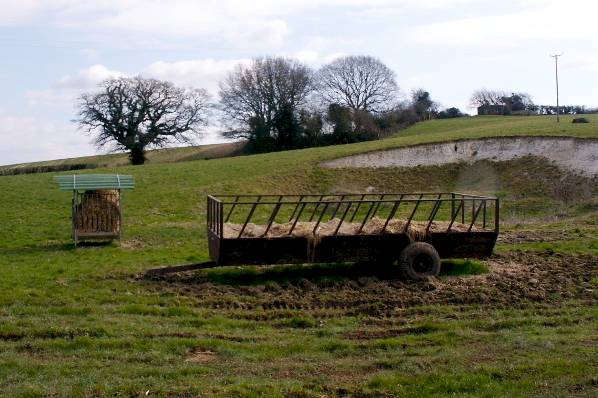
{"x":575,"y":154}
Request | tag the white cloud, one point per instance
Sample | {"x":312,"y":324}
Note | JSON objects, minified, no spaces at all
{"x":536,"y":21}
{"x":69,"y":87}
{"x":200,"y":73}
{"x":312,"y":58}
{"x":257,"y":23}
{"x":27,"y":139}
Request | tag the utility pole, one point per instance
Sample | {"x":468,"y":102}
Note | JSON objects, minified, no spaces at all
{"x":556,"y":73}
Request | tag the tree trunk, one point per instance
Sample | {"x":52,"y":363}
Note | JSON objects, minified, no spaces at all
{"x":137,"y":155}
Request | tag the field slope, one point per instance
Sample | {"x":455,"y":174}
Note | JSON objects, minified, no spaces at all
{"x":82,"y":322}
{"x":166,"y":155}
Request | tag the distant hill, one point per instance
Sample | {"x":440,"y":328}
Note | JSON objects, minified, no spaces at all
{"x":434,"y":130}
{"x":166,"y":155}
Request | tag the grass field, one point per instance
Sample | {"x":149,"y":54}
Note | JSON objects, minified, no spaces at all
{"x":81,"y":322}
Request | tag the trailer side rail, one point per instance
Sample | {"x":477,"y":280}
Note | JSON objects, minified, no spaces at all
{"x":454,"y":208}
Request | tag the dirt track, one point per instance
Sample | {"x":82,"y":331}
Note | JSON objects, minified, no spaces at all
{"x":515,"y":279}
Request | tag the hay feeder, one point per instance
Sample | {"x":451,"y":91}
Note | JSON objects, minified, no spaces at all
{"x":96,"y":204}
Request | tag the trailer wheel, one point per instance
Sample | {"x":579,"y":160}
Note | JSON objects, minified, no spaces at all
{"x":419,"y":260}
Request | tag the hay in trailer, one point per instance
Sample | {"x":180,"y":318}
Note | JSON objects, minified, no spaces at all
{"x":416,"y":229}
{"x":98,"y":212}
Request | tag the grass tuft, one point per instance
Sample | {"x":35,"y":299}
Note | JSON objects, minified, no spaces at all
{"x":454,"y":267}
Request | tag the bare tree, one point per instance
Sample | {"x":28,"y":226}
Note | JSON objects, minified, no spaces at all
{"x":136,"y":113}
{"x":362,"y":83}
{"x":484,"y":96}
{"x":256,"y":98}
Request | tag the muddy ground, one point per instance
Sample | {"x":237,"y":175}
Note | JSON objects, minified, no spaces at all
{"x":515,"y":279}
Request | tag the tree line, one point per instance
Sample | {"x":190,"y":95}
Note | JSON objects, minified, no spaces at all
{"x":275,"y":103}
{"x":514,"y":103}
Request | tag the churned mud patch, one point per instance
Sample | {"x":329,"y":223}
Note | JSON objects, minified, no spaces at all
{"x":132,"y":244}
{"x":514,"y":237}
{"x":515,"y":279}
{"x":201,"y":356}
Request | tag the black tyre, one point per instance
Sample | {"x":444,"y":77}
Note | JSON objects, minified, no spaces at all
{"x":418,"y":261}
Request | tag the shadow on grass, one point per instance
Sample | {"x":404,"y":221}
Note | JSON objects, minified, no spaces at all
{"x":54,"y":247}
{"x":320,"y":272}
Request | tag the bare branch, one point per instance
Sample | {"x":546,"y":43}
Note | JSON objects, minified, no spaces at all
{"x":362,"y":83}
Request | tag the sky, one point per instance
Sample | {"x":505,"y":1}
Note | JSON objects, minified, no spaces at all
{"x":51,"y":51}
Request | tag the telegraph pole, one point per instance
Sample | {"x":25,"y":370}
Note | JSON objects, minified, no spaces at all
{"x":556,"y":73}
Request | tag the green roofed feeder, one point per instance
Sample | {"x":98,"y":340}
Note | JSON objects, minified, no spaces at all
{"x":96,"y":204}
{"x":94,"y":181}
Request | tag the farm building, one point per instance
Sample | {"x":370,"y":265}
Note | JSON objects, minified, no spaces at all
{"x":492,"y":110}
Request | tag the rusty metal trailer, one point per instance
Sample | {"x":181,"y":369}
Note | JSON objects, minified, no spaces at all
{"x":413,"y":230}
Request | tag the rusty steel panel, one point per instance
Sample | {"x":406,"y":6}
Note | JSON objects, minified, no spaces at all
{"x":262,"y":251}
{"x":353,"y":248}
{"x":463,"y":244}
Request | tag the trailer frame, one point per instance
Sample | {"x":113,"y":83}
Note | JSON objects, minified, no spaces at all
{"x":474,"y":242}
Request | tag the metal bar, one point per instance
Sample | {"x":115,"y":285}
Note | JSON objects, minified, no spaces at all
{"x":368,"y":197}
{"x":366,"y":217}
{"x":433,"y":213}
{"x":311,"y":218}
{"x":496,"y":211}
{"x":214,"y":216}
{"x":120,"y":217}
{"x":343,"y":218}
{"x":320,"y":218}
{"x":462,"y":210}
{"x":337,"y":207}
{"x":484,"y":213}
{"x":466,"y":195}
{"x":378,"y":205}
{"x":209,"y":214}
{"x":391,"y":214}
{"x":232,"y":208}
{"x":296,"y":207}
{"x":297,"y":219}
{"x":357,"y":208}
{"x":273,"y":216}
{"x":214,"y":221}
{"x":452,"y":205}
{"x":221,"y":219}
{"x":247,"y":220}
{"x":474,"y":217}
{"x":348,"y":193}
{"x":178,"y":268}
{"x":389,"y":201}
{"x":454,"y":216}
{"x":434,"y":207}
{"x":412,"y":214}
{"x":74,"y":216}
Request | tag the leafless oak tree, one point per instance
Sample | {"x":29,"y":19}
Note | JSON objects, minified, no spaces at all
{"x":252,"y":96}
{"x":136,"y":113}
{"x":362,"y":83}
